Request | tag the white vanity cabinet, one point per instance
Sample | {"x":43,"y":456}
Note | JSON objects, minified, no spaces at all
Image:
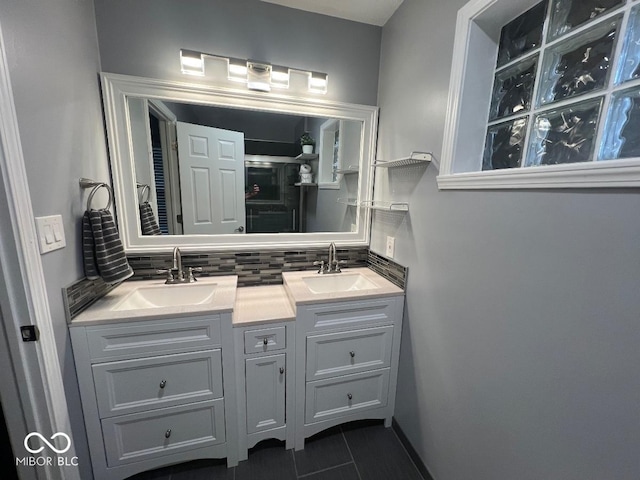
{"x":347,"y":349}
{"x":156,"y":392}
{"x":264,"y":333}
{"x":264,"y":366}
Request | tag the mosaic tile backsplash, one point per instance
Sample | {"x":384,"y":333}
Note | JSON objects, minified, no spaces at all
{"x":81,"y":294}
{"x":251,"y":267}
{"x":392,"y":271}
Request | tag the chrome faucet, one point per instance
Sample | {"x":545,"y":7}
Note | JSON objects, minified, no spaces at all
{"x":177,"y":264}
{"x":333,"y":264}
{"x":332,"y":255}
{"x":180,"y":276}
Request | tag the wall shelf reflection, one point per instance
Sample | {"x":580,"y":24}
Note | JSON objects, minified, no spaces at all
{"x":350,"y":202}
{"x":349,"y":170}
{"x":386,"y":206}
{"x":307,"y":156}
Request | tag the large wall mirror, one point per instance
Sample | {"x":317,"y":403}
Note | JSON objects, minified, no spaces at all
{"x":223,"y":169}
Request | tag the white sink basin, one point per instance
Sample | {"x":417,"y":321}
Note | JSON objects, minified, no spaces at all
{"x":159,"y":296}
{"x":341,"y":282}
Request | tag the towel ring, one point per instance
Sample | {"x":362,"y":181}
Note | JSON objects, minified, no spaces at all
{"x":145,"y":189}
{"x":93,"y":192}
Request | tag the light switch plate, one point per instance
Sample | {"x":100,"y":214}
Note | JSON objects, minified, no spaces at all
{"x":50,"y":233}
{"x":391,"y":246}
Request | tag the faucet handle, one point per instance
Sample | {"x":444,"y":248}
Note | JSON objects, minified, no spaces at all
{"x":321,"y":264}
{"x":169,"y":272}
{"x":338,"y":263}
{"x":190,"y":273}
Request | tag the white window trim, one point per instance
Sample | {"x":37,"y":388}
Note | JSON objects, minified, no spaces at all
{"x":476,"y":18}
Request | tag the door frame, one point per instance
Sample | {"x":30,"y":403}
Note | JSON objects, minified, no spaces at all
{"x":23,"y":297}
{"x":169,"y":143}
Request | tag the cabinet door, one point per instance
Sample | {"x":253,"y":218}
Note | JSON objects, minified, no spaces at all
{"x":265,"y":377}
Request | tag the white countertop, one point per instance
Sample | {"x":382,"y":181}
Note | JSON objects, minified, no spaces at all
{"x":102,"y":311}
{"x":262,"y":304}
{"x":250,"y":305}
{"x":301,"y":295}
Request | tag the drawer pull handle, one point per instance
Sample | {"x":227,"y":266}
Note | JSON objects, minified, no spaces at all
{"x":352,"y":353}
{"x":167,"y":434}
{"x":265,"y":341}
{"x":349,"y":396}
{"x":281,"y":370}
{"x":163,"y":383}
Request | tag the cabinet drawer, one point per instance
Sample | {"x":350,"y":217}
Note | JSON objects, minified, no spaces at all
{"x":142,"y":436}
{"x":351,"y":314}
{"x":348,"y":352}
{"x":153,"y":338}
{"x":265,"y":340}
{"x":340,"y":396}
{"x":130,"y":386}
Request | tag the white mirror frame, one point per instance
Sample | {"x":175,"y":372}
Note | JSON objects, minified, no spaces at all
{"x":117,"y":88}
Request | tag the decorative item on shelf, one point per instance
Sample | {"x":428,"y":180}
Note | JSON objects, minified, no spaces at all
{"x":305,"y":173}
{"x":307,"y":143}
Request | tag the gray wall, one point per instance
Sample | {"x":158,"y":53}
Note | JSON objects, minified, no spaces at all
{"x":143,"y":38}
{"x":520,"y":349}
{"x":53,"y":61}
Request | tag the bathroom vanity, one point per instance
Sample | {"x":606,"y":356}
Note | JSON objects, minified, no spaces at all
{"x":172,"y":373}
{"x":157,"y":381}
{"x":348,"y":329}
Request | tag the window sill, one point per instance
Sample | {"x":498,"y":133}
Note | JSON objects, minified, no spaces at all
{"x":606,"y":174}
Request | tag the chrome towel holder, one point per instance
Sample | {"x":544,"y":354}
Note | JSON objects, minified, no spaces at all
{"x":87,"y":183}
{"x":145,"y":189}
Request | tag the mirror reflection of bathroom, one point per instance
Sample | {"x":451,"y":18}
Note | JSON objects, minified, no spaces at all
{"x":183,"y":152}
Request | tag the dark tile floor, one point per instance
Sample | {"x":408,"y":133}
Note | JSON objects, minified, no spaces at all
{"x":354,"y":451}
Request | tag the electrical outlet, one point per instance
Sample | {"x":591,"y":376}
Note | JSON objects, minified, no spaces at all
{"x":391,"y":246}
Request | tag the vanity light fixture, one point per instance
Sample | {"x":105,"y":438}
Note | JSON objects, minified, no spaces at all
{"x":237,"y":70}
{"x":279,"y":76}
{"x":192,"y":62}
{"x":318,"y":82}
{"x":258,"y":76}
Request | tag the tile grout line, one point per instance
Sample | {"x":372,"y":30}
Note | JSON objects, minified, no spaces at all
{"x":327,"y":469}
{"x":350,"y":454}
{"x":395,"y":434}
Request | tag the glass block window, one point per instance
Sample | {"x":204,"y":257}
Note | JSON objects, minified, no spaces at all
{"x":566,"y":86}
{"x":521,"y":35}
{"x":622,"y":138}
{"x":569,"y":14}
{"x":504,"y":145}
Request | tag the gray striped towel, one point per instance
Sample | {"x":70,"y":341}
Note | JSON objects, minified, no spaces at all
{"x":102,"y":249}
{"x":148,"y":220}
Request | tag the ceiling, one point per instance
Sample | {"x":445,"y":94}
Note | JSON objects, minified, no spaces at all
{"x":373,"y":12}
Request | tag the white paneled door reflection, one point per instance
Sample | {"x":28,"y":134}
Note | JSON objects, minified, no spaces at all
{"x":211,"y":179}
